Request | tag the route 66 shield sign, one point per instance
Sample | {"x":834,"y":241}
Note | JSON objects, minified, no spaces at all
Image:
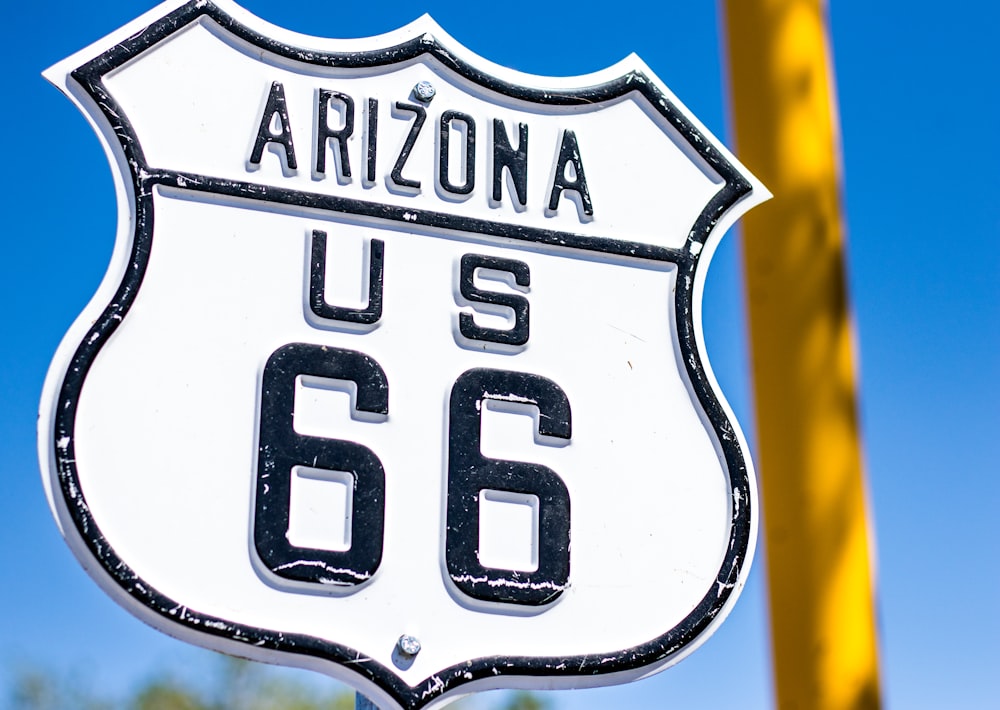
{"x":397,"y":372}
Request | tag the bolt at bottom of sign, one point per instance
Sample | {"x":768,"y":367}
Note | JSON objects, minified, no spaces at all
{"x":408,"y":645}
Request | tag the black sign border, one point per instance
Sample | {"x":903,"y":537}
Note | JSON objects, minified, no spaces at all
{"x":144,"y":181}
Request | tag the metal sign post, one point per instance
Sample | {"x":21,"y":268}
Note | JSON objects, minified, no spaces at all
{"x":824,"y":630}
{"x":397,"y":372}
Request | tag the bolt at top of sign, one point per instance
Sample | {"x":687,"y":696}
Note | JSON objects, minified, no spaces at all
{"x":424,"y":91}
{"x":422,"y":395}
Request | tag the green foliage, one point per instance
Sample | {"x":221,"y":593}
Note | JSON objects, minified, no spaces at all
{"x":35,"y":690}
{"x":523,"y":700}
{"x":161,"y":696}
{"x":235,"y":685}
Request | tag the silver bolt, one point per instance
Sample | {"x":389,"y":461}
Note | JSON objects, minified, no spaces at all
{"x":424,"y":91}
{"x":408,"y":645}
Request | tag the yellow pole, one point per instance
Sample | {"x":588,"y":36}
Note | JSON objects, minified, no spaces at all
{"x":813,"y":490}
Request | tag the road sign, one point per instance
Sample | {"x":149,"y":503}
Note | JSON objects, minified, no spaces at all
{"x":397,"y":372}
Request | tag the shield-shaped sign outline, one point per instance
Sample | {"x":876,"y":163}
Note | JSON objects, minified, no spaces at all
{"x":56,"y":433}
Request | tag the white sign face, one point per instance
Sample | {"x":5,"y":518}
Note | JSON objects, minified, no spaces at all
{"x":397,"y":372}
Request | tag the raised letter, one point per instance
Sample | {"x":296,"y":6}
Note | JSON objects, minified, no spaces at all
{"x":372,"y":139}
{"x":275,"y":106}
{"x":324,"y":133}
{"x":516,"y":161}
{"x":317,"y":284}
{"x":470,"y":153}
{"x":420,"y":115}
{"x":518,"y":335}
{"x":569,"y":155}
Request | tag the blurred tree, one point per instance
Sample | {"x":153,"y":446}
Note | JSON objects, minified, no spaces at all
{"x":523,"y":700}
{"x":35,"y":690}
{"x":236,"y":685}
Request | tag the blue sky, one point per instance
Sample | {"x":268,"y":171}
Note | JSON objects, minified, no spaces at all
{"x":919,"y":111}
